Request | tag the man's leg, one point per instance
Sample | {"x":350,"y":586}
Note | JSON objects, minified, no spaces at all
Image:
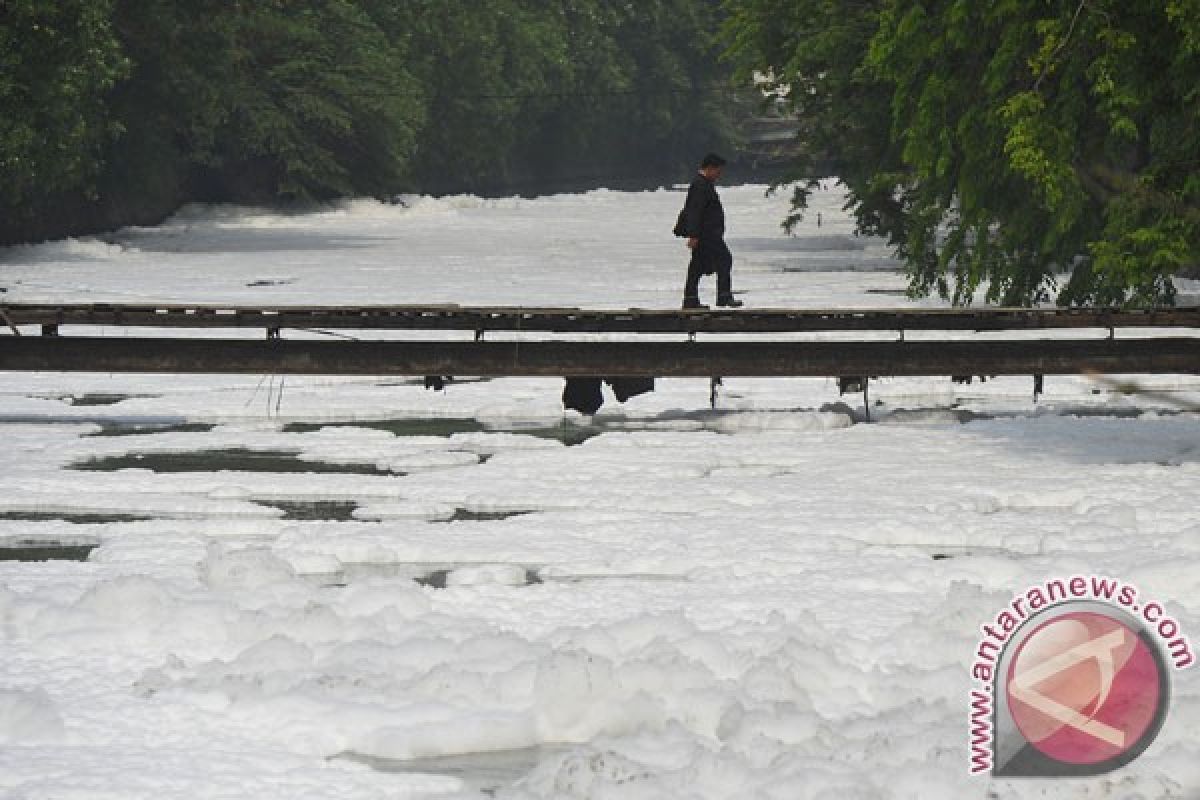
{"x":724,"y":263}
{"x":691,"y":288}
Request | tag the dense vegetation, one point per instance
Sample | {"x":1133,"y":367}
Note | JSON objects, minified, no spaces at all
{"x":116,"y":111}
{"x":1038,"y":148}
{"x":1005,"y":144}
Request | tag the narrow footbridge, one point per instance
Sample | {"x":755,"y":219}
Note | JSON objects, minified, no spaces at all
{"x":566,"y":342}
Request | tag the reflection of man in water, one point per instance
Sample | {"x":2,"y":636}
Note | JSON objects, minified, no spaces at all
{"x":704,"y":225}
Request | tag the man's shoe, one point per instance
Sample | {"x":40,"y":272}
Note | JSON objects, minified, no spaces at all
{"x":729,"y":302}
{"x":693,"y":304}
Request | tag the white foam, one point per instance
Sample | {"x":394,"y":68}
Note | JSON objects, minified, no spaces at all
{"x":739,"y":601}
{"x":29,"y":718}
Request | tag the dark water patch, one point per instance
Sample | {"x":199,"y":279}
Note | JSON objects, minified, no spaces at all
{"x":109,"y":425}
{"x":435,"y":575}
{"x":77,"y":518}
{"x":439,"y":578}
{"x":927,"y":416}
{"x":948,"y":552}
{"x":445,"y":427}
{"x":231,"y":460}
{"x":321,"y":510}
{"x":1085,"y":411}
{"x":1081,"y":412}
{"x":37,"y":550}
{"x":101,"y":398}
{"x":570,"y":435}
{"x":118,"y":428}
{"x":465,"y":515}
{"x":92,"y":398}
{"x":449,"y":381}
{"x":271,"y":282}
{"x":486,"y":773}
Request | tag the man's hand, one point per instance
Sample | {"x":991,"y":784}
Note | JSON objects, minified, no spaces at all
{"x":692,"y":242}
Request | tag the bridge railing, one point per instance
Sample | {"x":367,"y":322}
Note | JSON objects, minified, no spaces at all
{"x":1169,"y":349}
{"x":575,"y":320}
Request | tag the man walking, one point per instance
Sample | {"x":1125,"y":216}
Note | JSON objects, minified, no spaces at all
{"x":704,"y":226}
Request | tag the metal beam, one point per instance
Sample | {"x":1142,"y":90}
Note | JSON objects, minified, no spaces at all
{"x":557,"y":358}
{"x":574,"y":320}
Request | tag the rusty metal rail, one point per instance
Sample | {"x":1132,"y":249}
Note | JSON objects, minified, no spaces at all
{"x":653,"y":358}
{"x":574,"y":320}
{"x":760,"y":355}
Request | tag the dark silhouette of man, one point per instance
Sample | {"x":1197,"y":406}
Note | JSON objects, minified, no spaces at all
{"x":704,"y":226}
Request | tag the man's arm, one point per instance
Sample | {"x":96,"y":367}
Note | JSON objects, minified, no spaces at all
{"x":693,"y":212}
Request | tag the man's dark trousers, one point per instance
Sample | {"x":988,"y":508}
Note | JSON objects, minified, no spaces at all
{"x":711,"y":255}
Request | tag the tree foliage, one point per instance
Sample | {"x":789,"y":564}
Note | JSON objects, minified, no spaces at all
{"x":525,"y":89}
{"x":489,"y":68}
{"x":1027,"y":149}
{"x":56,"y":62}
{"x":117,"y":111}
{"x":268,"y":100}
{"x":645,"y":88}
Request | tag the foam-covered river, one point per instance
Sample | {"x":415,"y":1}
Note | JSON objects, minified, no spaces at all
{"x":359,"y":588}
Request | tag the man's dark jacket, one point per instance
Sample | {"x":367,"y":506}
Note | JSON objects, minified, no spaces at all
{"x":703,"y":216}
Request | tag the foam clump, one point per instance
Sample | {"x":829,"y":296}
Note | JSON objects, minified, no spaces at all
{"x":28,"y":717}
{"x":243,"y":569}
{"x":487,"y":574}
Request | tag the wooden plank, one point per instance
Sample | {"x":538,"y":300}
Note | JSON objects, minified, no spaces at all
{"x":656,"y":358}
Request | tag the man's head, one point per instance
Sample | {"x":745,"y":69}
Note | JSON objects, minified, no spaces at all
{"x":711,"y":165}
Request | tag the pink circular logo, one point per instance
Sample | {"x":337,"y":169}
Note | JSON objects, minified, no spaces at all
{"x":1085,"y":688}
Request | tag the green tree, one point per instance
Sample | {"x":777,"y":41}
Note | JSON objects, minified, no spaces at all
{"x":523,"y":89}
{"x":1023,"y":142}
{"x":268,"y":101}
{"x":487,"y":69}
{"x":57,"y":61}
{"x":647,"y":90}
{"x":117,"y":111}
{"x":807,"y":55}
